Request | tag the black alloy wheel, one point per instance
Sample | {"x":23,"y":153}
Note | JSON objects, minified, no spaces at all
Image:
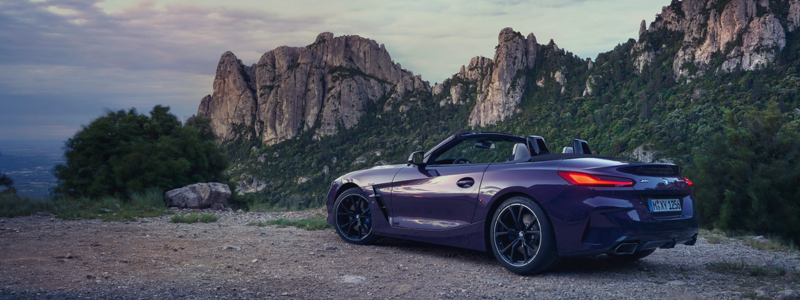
{"x":521,"y":237}
{"x":354,"y":218}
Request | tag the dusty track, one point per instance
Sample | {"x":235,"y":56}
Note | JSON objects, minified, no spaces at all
{"x":47,"y":258}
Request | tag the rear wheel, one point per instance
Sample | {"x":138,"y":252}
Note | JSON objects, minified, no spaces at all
{"x":522,"y":237}
{"x":354,"y":218}
{"x":635,"y":256}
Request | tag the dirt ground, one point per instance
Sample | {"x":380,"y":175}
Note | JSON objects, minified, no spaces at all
{"x":42,"y":257}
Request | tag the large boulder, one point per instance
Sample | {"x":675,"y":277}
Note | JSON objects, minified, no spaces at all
{"x":199,"y":195}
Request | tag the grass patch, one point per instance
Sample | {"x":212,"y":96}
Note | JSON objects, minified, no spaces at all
{"x":717,"y":236}
{"x":773,"y":243}
{"x":194,"y":218}
{"x":208,"y":218}
{"x":742,"y":268}
{"x":149,"y":203}
{"x":712,"y":237}
{"x":317,"y":222}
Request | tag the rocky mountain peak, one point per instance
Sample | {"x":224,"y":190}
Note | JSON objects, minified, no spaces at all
{"x":323,"y":37}
{"x":234,"y":96}
{"x":642,"y":28}
{"x":746,"y":33}
{"x":502,"y":91}
{"x":295,"y":89}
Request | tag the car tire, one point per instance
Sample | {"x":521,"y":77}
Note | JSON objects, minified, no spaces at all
{"x":635,"y":256}
{"x":521,"y":237}
{"x":353,"y":218}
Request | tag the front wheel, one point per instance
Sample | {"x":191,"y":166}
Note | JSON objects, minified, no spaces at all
{"x":522,"y":237}
{"x":354,"y":218}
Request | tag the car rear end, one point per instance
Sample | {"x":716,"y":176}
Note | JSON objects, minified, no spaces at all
{"x":622,"y":208}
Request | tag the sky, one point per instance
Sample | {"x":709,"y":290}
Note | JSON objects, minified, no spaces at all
{"x":64,"y":63}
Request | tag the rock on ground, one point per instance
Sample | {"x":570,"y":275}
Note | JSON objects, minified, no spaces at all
{"x":199,"y":195}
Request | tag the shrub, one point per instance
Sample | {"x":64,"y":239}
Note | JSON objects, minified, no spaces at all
{"x":123,"y":153}
{"x":747,"y":177}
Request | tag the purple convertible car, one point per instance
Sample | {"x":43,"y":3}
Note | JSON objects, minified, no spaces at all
{"x":509,"y":195}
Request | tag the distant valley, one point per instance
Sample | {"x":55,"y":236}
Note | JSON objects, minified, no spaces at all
{"x":30,"y":164}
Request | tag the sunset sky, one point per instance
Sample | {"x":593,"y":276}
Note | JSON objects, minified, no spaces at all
{"x":64,"y":62}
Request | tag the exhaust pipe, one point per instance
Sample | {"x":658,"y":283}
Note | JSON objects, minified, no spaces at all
{"x":625,"y":248}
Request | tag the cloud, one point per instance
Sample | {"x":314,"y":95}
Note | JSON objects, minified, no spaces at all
{"x":61,"y":11}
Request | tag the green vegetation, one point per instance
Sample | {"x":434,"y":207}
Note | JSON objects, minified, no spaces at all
{"x":120,"y":164}
{"x":742,"y":268}
{"x":748,"y":173}
{"x":314,"y":223}
{"x":773,"y":243}
{"x":776,"y":243}
{"x":126,"y":152}
{"x":194,"y":218}
{"x":208,"y":218}
{"x":148,"y":203}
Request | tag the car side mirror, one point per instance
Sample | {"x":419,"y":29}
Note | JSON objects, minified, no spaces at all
{"x":417,"y":158}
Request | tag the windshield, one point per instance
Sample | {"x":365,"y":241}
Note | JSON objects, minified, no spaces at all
{"x":477,"y":151}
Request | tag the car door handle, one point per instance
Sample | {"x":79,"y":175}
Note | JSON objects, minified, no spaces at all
{"x":465,"y":182}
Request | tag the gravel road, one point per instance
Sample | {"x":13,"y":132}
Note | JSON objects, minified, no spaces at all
{"x":43,"y":257}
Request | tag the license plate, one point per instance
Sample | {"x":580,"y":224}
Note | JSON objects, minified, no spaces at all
{"x":664,"y":205}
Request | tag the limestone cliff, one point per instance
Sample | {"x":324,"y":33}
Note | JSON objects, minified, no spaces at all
{"x":495,"y":84}
{"x":722,"y":35}
{"x":234,"y":99}
{"x":294,"y":89}
{"x":502,"y":91}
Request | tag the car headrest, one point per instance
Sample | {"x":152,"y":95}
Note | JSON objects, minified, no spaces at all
{"x":520,"y":151}
{"x":567,"y":150}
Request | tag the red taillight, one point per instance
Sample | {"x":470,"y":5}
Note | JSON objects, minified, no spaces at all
{"x":689,"y":182}
{"x":583,"y":179}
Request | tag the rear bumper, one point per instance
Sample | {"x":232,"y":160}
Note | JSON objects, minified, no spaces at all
{"x":593,"y":221}
{"x":630,"y":244}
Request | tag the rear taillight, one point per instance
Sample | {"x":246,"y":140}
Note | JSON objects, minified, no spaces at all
{"x":583,"y":179}
{"x":689,"y":182}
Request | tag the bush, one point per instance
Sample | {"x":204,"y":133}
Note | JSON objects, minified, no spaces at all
{"x":747,"y":177}
{"x":124,"y":153}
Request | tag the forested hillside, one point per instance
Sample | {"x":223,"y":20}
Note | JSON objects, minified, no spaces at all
{"x":735,"y":131}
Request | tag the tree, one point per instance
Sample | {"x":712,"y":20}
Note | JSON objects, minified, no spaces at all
{"x":747,"y":177}
{"x":8,"y":183}
{"x":123,"y":152}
